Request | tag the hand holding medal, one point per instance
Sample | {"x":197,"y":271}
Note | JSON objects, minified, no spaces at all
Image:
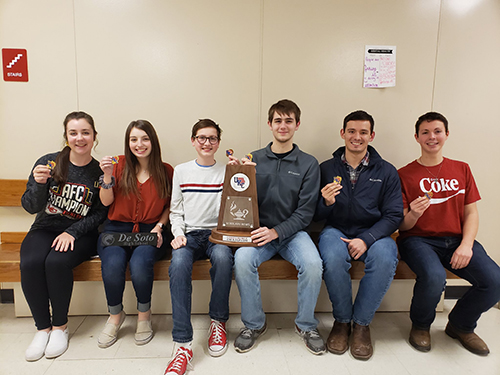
{"x":420,"y":204}
{"x":233,"y":160}
{"x":107,"y":164}
{"x":41,"y":173}
{"x":331,"y":190}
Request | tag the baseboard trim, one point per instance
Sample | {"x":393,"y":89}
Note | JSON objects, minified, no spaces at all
{"x":455,"y":291}
{"x":6,"y":295}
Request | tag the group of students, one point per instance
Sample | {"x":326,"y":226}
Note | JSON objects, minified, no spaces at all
{"x":361,"y":199}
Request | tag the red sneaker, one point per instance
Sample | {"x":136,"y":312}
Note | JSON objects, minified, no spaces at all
{"x":217,"y":341}
{"x":180,"y":363}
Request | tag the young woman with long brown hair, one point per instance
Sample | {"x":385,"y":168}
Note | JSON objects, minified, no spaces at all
{"x":137,"y":188}
{"x":63,"y":191}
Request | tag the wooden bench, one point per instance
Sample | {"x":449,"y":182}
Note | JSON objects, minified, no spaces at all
{"x":274,"y":269}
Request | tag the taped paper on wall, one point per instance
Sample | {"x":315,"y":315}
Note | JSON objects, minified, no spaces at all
{"x":380,"y":66}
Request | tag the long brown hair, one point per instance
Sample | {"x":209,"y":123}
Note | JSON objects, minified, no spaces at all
{"x":128,"y":180}
{"x":60,"y":172}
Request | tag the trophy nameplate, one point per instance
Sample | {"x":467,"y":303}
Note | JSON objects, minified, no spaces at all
{"x":239,"y":213}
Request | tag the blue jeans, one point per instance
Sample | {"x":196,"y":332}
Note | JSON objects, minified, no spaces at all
{"x":180,"y":272}
{"x":298,"y":250}
{"x":380,"y":266}
{"x":428,"y":257}
{"x":114,"y":261}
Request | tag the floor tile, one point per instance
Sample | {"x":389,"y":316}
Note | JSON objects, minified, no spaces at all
{"x":280,"y":351}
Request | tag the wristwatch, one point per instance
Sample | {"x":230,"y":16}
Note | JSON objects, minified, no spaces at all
{"x":161,"y":225}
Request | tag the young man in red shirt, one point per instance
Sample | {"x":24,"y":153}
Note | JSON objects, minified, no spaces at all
{"x":438,"y":232}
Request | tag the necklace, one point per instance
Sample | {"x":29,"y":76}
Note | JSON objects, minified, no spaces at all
{"x":434,"y":176}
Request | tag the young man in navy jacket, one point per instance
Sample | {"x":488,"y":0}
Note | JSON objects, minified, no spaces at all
{"x":362,"y":205}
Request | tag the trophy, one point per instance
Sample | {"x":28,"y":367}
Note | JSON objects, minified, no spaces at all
{"x":239,"y":212}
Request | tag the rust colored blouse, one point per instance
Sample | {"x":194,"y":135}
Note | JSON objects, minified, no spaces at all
{"x":147,"y":207}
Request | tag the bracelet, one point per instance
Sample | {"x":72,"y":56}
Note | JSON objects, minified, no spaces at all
{"x":105,"y":185}
{"x":161,"y":225}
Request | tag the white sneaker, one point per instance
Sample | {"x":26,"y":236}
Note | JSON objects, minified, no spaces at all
{"x":36,"y":350}
{"x":58,"y":343}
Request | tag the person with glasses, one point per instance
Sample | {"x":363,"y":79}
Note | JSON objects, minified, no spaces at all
{"x":194,"y":212}
{"x":287,"y":189}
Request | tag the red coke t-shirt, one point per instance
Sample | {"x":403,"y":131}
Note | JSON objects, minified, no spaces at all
{"x":452,"y":186}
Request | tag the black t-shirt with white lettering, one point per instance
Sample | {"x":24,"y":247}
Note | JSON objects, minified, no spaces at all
{"x":75,"y":208}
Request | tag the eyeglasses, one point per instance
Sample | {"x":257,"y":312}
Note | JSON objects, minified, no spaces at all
{"x":202,"y":139}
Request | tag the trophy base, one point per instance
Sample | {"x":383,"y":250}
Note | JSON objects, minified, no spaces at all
{"x":231,"y":238}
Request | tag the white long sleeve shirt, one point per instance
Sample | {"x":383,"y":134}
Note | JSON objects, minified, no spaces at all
{"x":196,"y":197}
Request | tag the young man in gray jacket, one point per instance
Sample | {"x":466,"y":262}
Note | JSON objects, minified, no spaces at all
{"x":287,"y":189}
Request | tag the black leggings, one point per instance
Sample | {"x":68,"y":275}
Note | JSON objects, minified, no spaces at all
{"x":47,"y":275}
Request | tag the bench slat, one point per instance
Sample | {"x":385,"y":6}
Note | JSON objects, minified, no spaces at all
{"x":12,"y":237}
{"x":11,"y":192}
{"x":274,"y":269}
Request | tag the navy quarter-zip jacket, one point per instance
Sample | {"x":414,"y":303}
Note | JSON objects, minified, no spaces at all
{"x":370,"y":211}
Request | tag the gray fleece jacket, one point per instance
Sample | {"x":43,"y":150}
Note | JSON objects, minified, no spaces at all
{"x":287,"y":190}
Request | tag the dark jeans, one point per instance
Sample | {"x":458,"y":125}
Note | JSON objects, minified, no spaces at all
{"x":180,"y":272}
{"x":427,"y":256}
{"x":380,"y":261}
{"x":114,"y":261}
{"x":47,"y":275}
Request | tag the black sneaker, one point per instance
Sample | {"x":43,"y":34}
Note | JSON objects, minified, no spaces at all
{"x":247,"y":337}
{"x":313,"y":340}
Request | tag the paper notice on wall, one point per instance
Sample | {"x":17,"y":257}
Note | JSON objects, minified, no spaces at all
{"x":380,"y":66}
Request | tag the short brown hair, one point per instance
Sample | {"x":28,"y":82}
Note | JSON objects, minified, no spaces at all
{"x":429,"y":117}
{"x":359,"y":115}
{"x":284,"y":107}
{"x":205,"y":123}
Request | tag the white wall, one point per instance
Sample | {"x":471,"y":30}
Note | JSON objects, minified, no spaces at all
{"x":173,"y":62}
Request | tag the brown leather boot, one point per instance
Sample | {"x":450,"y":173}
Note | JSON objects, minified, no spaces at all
{"x":361,"y":347}
{"x":472,"y":342}
{"x":420,"y":339}
{"x":338,"y":340}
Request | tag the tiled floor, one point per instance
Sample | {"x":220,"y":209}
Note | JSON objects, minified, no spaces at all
{"x":279,"y":351}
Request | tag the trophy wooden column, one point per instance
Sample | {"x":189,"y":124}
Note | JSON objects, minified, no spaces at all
{"x":239,"y":210}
